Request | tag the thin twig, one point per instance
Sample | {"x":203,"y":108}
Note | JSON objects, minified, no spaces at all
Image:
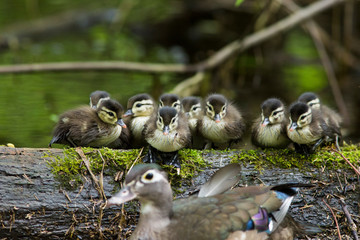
{"x":335,"y":219}
{"x":346,"y":160}
{"x":87,"y":165}
{"x":348,"y":217}
{"x":215,"y":60}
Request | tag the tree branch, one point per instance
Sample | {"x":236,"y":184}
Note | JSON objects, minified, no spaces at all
{"x":219,"y":57}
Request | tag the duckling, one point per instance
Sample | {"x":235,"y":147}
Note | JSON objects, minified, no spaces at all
{"x":193,"y":110}
{"x":269,"y":130}
{"x":90,"y":127}
{"x":97,"y":96}
{"x":222,"y":122}
{"x":139,"y":109}
{"x":167,"y":131}
{"x":307,"y":128}
{"x":248,"y":213}
{"x":170,"y":100}
{"x":330,"y":116}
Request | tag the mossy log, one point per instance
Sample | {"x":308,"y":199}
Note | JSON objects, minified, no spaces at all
{"x":39,"y":201}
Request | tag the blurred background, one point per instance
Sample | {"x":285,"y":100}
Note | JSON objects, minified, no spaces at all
{"x":169,"y":31}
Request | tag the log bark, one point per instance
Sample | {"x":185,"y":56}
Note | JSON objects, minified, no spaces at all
{"x":34,"y":205}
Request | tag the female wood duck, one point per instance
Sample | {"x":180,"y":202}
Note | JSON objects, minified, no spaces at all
{"x":167,"y":131}
{"x":90,"y":127}
{"x":308,"y":129}
{"x":170,"y":100}
{"x":269,"y":130}
{"x":139,"y":109}
{"x":247,"y":213}
{"x":97,"y":96}
{"x":222,"y":123}
{"x":192,"y":108}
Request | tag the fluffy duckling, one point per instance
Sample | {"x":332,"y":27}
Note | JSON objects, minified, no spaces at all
{"x":139,"y":109}
{"x":88,"y":127}
{"x":247,"y":213}
{"x":170,"y":100}
{"x":97,"y":96}
{"x":331,"y":117}
{"x":269,"y":130}
{"x":308,"y":129}
{"x":222,"y":123}
{"x":167,"y":131}
{"x":193,"y":110}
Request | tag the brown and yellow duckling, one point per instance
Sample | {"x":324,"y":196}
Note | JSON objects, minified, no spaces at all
{"x":222,"y":123}
{"x":269,"y":130}
{"x":139,"y":109}
{"x":88,"y":127}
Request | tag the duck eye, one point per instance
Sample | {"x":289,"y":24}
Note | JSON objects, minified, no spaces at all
{"x":302,"y":117}
{"x":138,"y":105}
{"x":176,"y":104}
{"x":111,"y":114}
{"x":149,"y":176}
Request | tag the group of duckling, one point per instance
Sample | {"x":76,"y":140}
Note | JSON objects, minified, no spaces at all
{"x":256,"y":212}
{"x":177,"y":123}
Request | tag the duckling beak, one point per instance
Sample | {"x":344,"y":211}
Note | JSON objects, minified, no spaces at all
{"x":293,"y":126}
{"x":129,"y":112}
{"x":217,"y":118}
{"x":265,"y":122}
{"x":166,"y":130}
{"x":123,"y":196}
{"x":121,"y":123}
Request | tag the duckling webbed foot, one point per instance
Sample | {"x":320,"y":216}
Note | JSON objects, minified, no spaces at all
{"x":168,"y":158}
{"x":151,"y":157}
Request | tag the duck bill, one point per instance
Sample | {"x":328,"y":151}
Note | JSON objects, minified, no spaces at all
{"x":121,"y":123}
{"x":121,"y":197}
{"x":265,"y":122}
{"x":293,"y":126}
{"x":217,"y":118}
{"x":166,"y":130}
{"x":129,"y":112}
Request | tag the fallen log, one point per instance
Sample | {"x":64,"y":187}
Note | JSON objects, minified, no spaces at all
{"x":35,"y":204}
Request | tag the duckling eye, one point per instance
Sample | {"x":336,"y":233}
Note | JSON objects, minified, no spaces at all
{"x":209,"y":108}
{"x":175,"y":105}
{"x":111,"y":114}
{"x":138,"y":105}
{"x":194,"y":108}
{"x":302,"y":117}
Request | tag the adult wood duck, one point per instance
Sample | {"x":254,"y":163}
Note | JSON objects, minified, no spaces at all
{"x":269,"y":130}
{"x":170,"y":100}
{"x":97,"y":96}
{"x":167,"y":131}
{"x":222,"y":123}
{"x":139,"y":109}
{"x":90,"y":127}
{"x":247,"y":213}
{"x":308,"y":129}
{"x":192,"y":108}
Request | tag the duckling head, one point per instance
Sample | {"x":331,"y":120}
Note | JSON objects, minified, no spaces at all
{"x":140,"y":105}
{"x":97,"y":96}
{"x":310,"y":99}
{"x":300,"y":115}
{"x":192,"y":106}
{"x":110,"y":111}
{"x":216,"y":107}
{"x":272,"y":111}
{"x":167,"y":119}
{"x":170,"y":100}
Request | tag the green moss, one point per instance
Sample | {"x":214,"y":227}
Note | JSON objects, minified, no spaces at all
{"x":68,"y":168}
{"x":287,"y":158}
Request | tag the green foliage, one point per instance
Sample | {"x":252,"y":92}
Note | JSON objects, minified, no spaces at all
{"x":238,"y":2}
